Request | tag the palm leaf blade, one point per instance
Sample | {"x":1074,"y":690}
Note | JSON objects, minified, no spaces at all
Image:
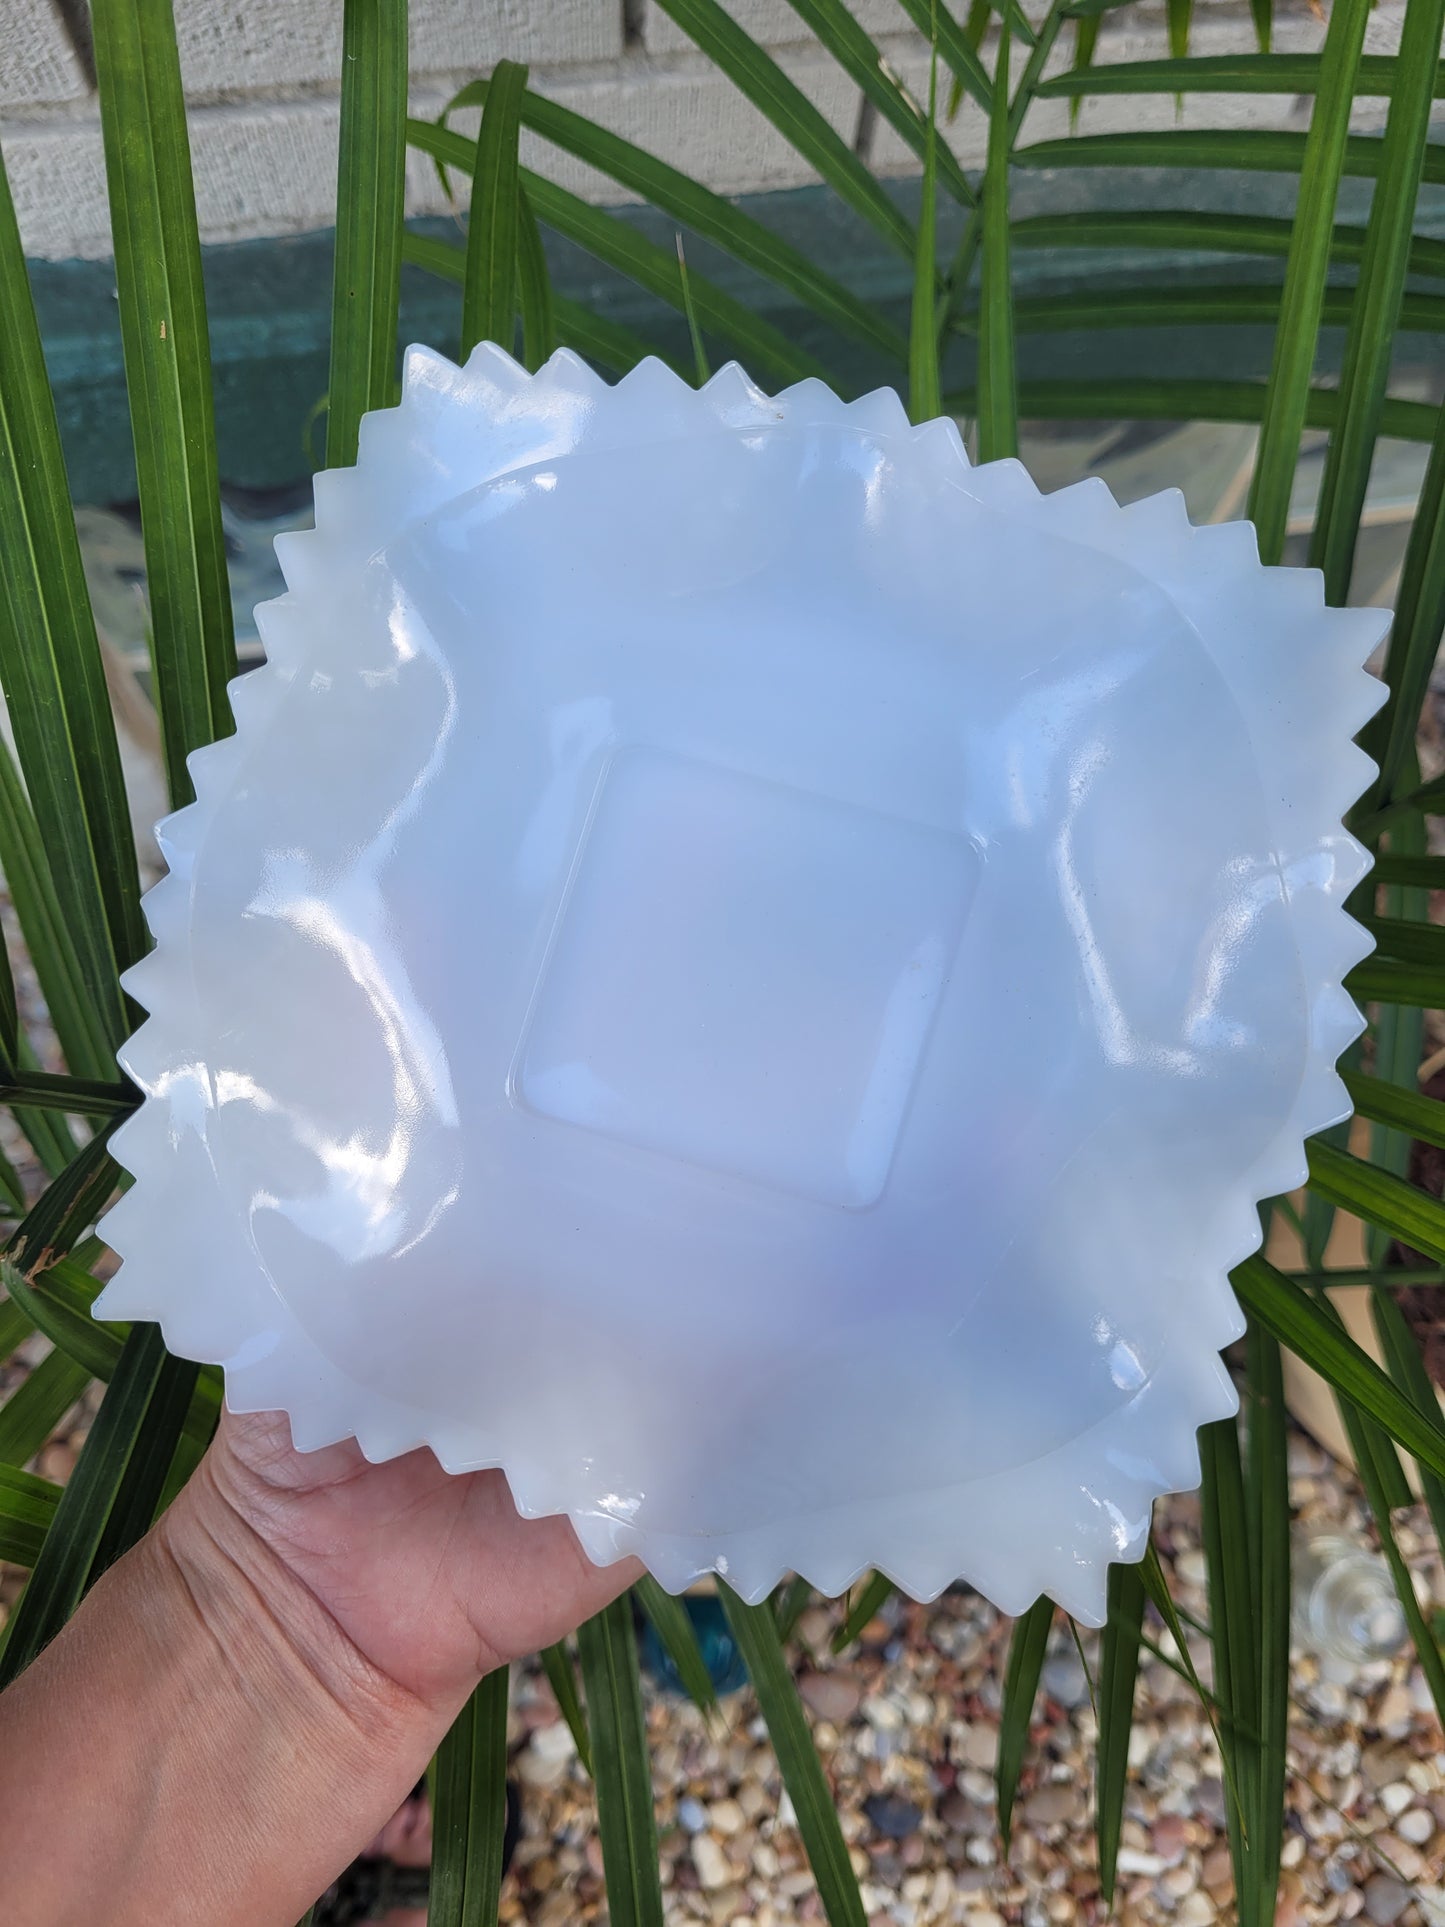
{"x":710,"y":216}
{"x":756,"y":74}
{"x":1322,"y":163}
{"x":115,"y":1477}
{"x":1118,"y":1672}
{"x":621,"y":1766}
{"x":370,"y":202}
{"x":32,"y":1412}
{"x":997,"y":374}
{"x":470,"y":1790}
{"x":670,"y":1622}
{"x":756,"y":1631}
{"x":1370,"y":342}
{"x":1293,"y":1317}
{"x":1263,"y":150}
{"x":53,"y":676}
{"x":1261,"y":73}
{"x":489,"y":287}
{"x":1020,"y":1689}
{"x":168,"y":373}
{"x":654,"y":268}
{"x":557,"y":1664}
{"x":27,"y":1509}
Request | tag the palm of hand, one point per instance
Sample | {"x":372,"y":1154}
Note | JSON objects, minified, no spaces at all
{"x":434,"y":1577}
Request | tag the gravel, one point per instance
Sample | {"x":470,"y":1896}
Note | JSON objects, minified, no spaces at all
{"x":907,"y":1725}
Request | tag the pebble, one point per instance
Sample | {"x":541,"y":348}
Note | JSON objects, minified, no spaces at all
{"x":1195,"y":1910}
{"x":753,"y":1800}
{"x":882,"y":1714}
{"x":1396,"y":1797}
{"x":1383,"y":1764}
{"x":1131,"y":1860}
{"x":1190,"y":1568}
{"x":1417,"y":1826}
{"x":1051,"y":1805}
{"x":891,"y":1817}
{"x":713,"y":1868}
{"x":1179,"y":1881}
{"x":1385,"y":1899}
{"x":57,"y":1460}
{"x":1209,"y":1800}
{"x":1329,"y":1700}
{"x":1065,"y":1680}
{"x":547,"y":1756}
{"x":727,"y":1817}
{"x":1288,"y":1902}
{"x":1217,"y":1871}
{"x":691,"y":1815}
{"x":817,"y":1627}
{"x":1401,"y":1856}
{"x":1394,"y":1713}
{"x":831,"y":1696}
{"x":1170,"y":1836}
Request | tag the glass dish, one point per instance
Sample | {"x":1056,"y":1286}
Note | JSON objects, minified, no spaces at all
{"x":752,"y":974}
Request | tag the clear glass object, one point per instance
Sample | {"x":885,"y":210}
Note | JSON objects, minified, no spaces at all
{"x":1345,"y":1604}
{"x":752,"y":974}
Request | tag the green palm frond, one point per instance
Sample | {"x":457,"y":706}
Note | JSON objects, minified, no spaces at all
{"x":66,"y":845}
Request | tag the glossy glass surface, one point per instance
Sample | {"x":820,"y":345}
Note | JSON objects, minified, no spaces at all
{"x":771,"y":1029}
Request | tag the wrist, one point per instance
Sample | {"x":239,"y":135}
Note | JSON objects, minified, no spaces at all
{"x":203,"y":1740}
{"x":273,"y":1734}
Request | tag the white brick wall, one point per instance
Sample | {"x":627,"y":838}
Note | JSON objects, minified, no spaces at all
{"x":37,"y":62}
{"x":282,"y":46}
{"x":262,"y":75}
{"x":471,"y":34}
{"x":773,"y":22}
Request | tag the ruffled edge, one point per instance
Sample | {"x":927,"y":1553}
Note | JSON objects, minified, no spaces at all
{"x":1088,"y":1502}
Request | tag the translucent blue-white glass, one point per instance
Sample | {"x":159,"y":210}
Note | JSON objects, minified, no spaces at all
{"x":752,"y":974}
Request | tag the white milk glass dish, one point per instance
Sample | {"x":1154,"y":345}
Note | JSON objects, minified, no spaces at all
{"x":752,"y":974}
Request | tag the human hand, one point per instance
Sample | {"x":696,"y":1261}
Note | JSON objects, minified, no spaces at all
{"x":432,"y":1577}
{"x":245,"y":1699}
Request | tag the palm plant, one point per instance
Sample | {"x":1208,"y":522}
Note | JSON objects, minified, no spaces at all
{"x":65,"y":839}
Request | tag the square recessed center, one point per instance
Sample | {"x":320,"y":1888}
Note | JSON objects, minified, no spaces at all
{"x":744,"y":976}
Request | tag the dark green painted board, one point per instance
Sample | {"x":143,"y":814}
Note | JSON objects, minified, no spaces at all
{"x":269,"y":303}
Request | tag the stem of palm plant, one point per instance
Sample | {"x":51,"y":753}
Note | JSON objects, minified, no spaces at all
{"x":955,"y":284}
